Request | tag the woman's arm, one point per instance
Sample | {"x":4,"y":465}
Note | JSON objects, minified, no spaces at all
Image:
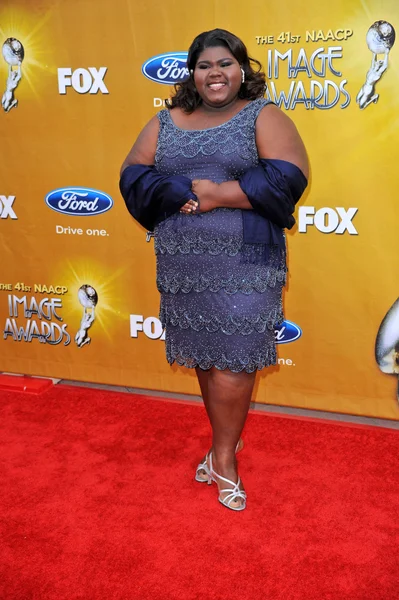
{"x":150,"y":196}
{"x":276,"y":138}
{"x":144,"y":148}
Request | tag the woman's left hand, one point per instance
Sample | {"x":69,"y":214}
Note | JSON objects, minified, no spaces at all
{"x":207,"y":192}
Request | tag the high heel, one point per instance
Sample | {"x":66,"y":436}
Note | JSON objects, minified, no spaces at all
{"x":203,"y":466}
{"x":233,"y":493}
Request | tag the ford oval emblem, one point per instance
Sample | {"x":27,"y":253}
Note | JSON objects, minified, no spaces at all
{"x":79,"y":201}
{"x":287,"y":332}
{"x":167,"y":68}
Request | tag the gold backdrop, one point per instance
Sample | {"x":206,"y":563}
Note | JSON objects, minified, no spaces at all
{"x":82,"y":98}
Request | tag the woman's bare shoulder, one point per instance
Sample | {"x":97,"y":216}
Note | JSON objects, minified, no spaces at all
{"x":144,"y":148}
{"x":278,"y":137}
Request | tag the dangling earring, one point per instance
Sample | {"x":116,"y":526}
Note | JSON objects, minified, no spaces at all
{"x":192,"y":73}
{"x":243,"y":75}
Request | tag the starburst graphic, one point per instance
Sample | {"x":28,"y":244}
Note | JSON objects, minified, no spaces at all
{"x":108,"y":308}
{"x":28,"y":27}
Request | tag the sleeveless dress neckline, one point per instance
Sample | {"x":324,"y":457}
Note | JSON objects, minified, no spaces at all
{"x":216,"y":126}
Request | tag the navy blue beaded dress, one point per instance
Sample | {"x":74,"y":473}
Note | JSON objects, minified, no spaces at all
{"x":219,"y":308}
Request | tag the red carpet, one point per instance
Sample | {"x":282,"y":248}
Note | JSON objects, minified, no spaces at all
{"x":98,"y":502}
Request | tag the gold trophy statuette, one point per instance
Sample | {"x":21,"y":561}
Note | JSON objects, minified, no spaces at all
{"x":88,"y":298}
{"x":13,"y":53}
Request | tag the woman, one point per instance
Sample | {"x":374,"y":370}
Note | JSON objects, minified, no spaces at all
{"x":217,"y":175}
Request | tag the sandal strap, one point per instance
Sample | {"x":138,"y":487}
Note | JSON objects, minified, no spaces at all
{"x":227,"y":500}
{"x":233,"y":493}
{"x":204,"y":467}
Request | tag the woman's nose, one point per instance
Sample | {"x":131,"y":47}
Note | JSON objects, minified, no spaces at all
{"x":215,"y":70}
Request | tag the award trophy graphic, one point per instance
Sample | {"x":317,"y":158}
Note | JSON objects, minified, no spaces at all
{"x":88,"y":298}
{"x":13,"y":53}
{"x":387,"y":343}
{"x":380,"y":38}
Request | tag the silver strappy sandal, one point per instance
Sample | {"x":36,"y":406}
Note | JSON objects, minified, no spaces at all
{"x":233,"y":493}
{"x":202,"y":472}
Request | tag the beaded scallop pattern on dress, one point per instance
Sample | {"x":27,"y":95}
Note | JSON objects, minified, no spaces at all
{"x":218,"y":308}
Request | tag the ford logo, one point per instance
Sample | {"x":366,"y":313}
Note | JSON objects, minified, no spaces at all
{"x":167,"y":68}
{"x":79,"y":201}
{"x":287,"y":332}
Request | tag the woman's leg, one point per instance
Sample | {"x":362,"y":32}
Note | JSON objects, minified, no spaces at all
{"x":203,"y":377}
{"x":226,"y":397}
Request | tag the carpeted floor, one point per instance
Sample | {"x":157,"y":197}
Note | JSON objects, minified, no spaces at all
{"x":98,"y":502}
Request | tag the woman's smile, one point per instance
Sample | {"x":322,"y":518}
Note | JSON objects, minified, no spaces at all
{"x":217,"y":76}
{"x":216,"y":87}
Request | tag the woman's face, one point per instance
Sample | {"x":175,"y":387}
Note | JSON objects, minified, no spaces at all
{"x":217,"y":76}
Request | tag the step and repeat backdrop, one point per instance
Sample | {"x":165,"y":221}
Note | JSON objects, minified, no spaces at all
{"x":78,"y":300}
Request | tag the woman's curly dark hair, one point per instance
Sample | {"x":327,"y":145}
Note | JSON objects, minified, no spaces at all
{"x":186,"y":95}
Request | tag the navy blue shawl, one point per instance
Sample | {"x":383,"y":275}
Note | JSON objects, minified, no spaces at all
{"x":273,"y":188}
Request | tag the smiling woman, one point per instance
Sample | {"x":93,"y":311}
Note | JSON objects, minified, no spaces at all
{"x":223,"y":56}
{"x":216,"y":175}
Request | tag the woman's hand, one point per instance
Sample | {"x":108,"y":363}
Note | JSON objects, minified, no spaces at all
{"x":207,"y":192}
{"x":190,"y":207}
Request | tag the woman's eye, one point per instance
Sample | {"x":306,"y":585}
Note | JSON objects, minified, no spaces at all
{"x":226,"y":64}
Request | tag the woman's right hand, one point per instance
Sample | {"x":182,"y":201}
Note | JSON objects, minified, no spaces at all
{"x":190,"y":207}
